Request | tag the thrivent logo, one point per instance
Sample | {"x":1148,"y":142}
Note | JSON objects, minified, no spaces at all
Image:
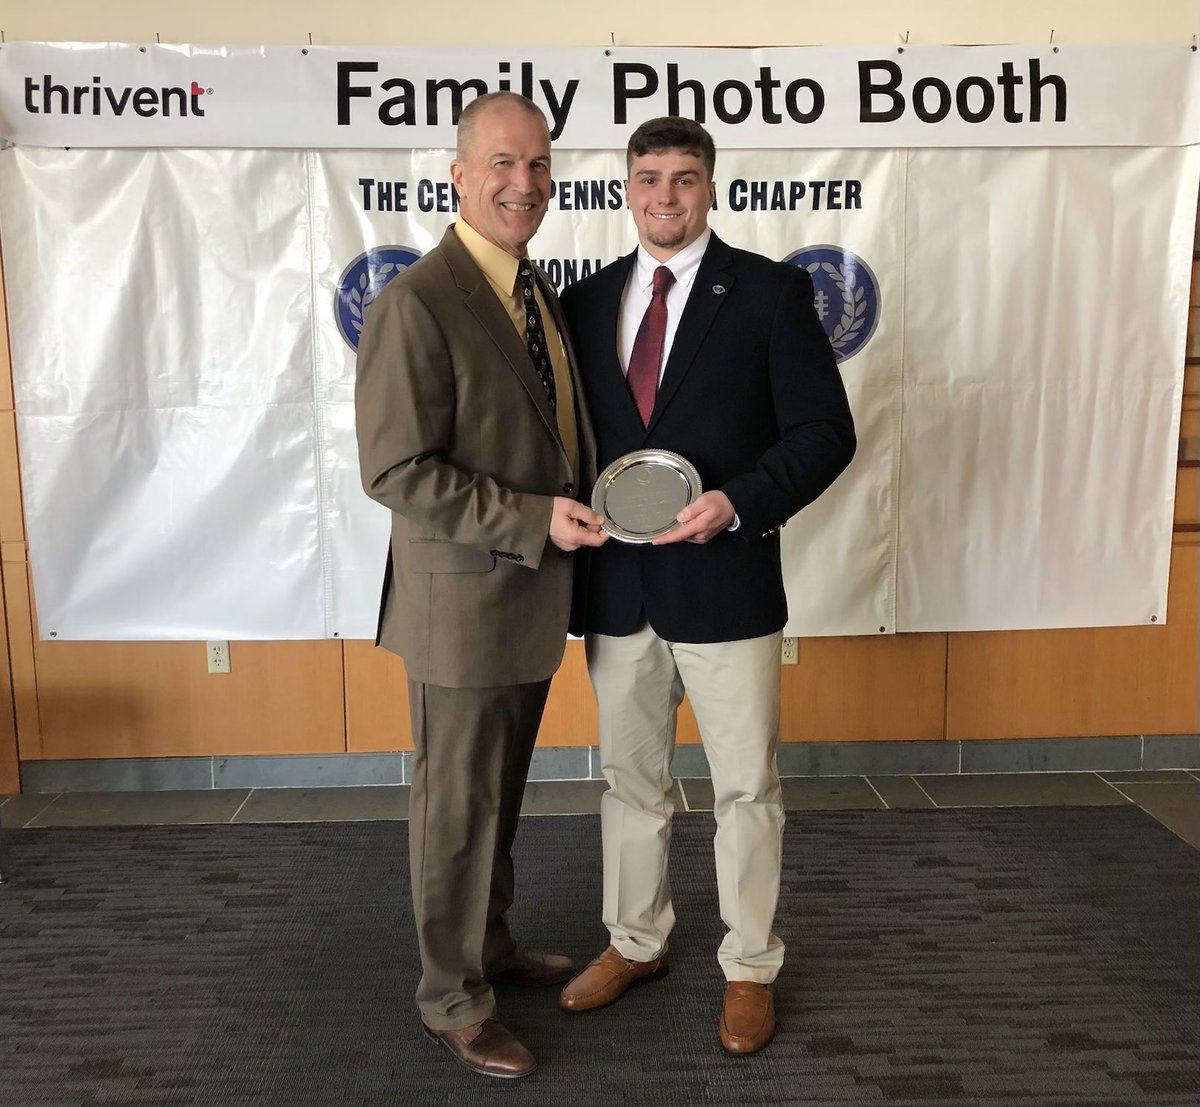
{"x":45,"y":97}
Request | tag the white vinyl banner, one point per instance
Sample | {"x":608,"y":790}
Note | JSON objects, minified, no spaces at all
{"x":1009,"y":319}
{"x":161,"y":330}
{"x":338,"y":97}
{"x":1045,"y":316}
{"x":858,"y":598}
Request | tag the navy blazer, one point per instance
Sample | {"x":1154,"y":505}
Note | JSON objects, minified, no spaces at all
{"x":753,"y":398}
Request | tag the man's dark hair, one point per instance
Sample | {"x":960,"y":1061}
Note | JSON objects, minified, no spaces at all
{"x":466,"y":118}
{"x":672,"y":132}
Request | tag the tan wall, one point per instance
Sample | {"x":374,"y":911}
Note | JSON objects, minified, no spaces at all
{"x":625,"y":22}
{"x":102,"y":699}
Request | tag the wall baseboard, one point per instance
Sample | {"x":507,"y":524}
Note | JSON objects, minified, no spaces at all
{"x":1125,"y":753}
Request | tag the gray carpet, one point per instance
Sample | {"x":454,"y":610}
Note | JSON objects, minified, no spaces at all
{"x":993,"y":957}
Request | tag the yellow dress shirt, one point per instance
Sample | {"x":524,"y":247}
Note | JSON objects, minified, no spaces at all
{"x":500,"y":268}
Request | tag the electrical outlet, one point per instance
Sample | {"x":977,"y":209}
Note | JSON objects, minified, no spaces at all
{"x":218,"y":657}
{"x":791,"y":652}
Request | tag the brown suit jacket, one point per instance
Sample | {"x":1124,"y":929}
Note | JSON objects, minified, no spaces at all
{"x":457,"y":439}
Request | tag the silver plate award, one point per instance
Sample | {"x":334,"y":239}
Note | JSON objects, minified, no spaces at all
{"x":640,"y":494}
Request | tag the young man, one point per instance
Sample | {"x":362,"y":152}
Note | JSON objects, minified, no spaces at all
{"x":471,"y":429}
{"x":715,"y":354}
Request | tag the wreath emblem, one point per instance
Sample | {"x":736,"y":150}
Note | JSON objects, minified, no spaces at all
{"x":363,"y":296}
{"x":854,"y":304}
{"x":361,"y":283}
{"x":845,"y":294}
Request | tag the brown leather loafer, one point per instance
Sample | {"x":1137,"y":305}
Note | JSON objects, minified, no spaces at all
{"x":535,"y":969}
{"x":608,"y":978}
{"x":487,"y":1048}
{"x":747,"y":1016}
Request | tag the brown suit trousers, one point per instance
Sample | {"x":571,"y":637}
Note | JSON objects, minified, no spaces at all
{"x":457,"y":439}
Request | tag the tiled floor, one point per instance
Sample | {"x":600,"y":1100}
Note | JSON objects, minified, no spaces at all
{"x":1170,"y":796}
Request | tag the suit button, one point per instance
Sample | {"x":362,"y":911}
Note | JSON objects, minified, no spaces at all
{"x":568,"y":488}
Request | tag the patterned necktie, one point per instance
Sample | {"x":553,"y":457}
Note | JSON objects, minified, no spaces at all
{"x":646,"y":359}
{"x":535,"y":333}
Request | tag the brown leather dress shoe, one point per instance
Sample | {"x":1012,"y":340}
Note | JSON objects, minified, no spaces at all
{"x":747,"y":1016}
{"x":607,"y":978}
{"x":487,"y":1048}
{"x":535,"y":969}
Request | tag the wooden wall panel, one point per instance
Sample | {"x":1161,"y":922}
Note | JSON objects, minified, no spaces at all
{"x":377,"y":702}
{"x":843,"y":689}
{"x":157,"y":699}
{"x":14,"y":601}
{"x":570,"y":718}
{"x":1189,"y":421}
{"x":12,"y":517}
{"x":376,"y":699}
{"x":858,"y":689}
{"x":1095,"y":681}
{"x":1187,"y":497}
{"x":890,"y":688}
{"x":10,"y":774}
{"x":18,"y":615}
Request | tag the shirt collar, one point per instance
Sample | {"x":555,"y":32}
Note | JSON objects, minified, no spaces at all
{"x":683,"y":264}
{"x":499,"y":266}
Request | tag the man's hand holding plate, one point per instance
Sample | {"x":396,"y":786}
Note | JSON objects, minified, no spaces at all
{"x":701,"y":521}
{"x":573,"y":525}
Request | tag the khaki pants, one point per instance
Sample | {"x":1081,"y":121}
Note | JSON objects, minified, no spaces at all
{"x":733,"y":687}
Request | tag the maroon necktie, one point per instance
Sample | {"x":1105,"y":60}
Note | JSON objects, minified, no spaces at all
{"x":646,"y":359}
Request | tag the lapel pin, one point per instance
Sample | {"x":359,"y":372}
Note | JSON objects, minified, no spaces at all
{"x":719,"y":289}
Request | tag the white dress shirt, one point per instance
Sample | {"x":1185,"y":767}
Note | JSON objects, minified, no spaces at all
{"x":639,"y":287}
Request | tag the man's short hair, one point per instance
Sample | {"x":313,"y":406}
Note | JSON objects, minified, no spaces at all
{"x":672,"y":132}
{"x":468,"y":116}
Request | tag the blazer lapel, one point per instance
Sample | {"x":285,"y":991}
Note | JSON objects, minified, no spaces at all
{"x":710,"y":289}
{"x":585,"y":436}
{"x":482,"y":303}
{"x":607,"y":325}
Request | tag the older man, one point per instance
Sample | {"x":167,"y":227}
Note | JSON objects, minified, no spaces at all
{"x":473,"y":432}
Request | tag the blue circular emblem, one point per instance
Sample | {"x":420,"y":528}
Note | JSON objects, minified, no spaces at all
{"x":845,"y":294}
{"x":364,"y":279}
